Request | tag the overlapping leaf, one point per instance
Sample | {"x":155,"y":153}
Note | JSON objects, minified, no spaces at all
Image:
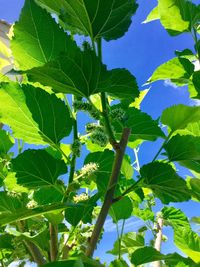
{"x":189,"y":242}
{"x":175,"y":217}
{"x":6,"y":142}
{"x":36,"y":168}
{"x":129,"y":243}
{"x":175,"y":16}
{"x":118,"y":212}
{"x":179,"y":116}
{"x":178,"y":70}
{"x":104,"y":161}
{"x":34,"y":115}
{"x":183,"y":148}
{"x":162,"y":179}
{"x":81,"y":73}
{"x":141,"y":124}
{"x":150,"y":254}
{"x":109,"y":19}
{"x":37,"y":37}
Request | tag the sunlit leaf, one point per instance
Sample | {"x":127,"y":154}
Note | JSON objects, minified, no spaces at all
{"x":118,"y":210}
{"x":37,"y":37}
{"x":36,"y":168}
{"x":166,"y":184}
{"x":179,"y":116}
{"x":109,"y":19}
{"x":40,"y":118}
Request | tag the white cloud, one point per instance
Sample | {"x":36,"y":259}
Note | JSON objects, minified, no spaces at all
{"x":170,"y":83}
{"x":130,"y":224}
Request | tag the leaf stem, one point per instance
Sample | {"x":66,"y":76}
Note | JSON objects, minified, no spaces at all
{"x":53,"y":231}
{"x":120,"y":150}
{"x":104,"y":101}
{"x":162,"y":146}
{"x":75,"y":139}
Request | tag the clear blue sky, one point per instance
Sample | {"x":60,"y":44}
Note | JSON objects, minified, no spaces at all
{"x":143,"y":48}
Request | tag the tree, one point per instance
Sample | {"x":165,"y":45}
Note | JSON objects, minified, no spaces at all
{"x":52,"y":212}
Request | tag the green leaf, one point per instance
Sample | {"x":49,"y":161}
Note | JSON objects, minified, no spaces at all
{"x":82,"y":211}
{"x":40,"y":118}
{"x":178,"y":70}
{"x":178,"y":16}
{"x":166,"y":184}
{"x":47,"y":195}
{"x":153,"y":15}
{"x":109,"y":19}
{"x":118,"y":263}
{"x":141,"y":124}
{"x":122,"y":209}
{"x":104,"y":160}
{"x":194,"y":85}
{"x":16,"y":214}
{"x":127,"y":168}
{"x":192,"y":128}
{"x":195,"y":188}
{"x":81,"y":73}
{"x":37,"y":41}
{"x":82,"y":261}
{"x":36,"y":168}
{"x":172,"y":16}
{"x":6,"y":242}
{"x":179,"y":116}
{"x":175,"y":217}
{"x":129,"y":243}
{"x":150,"y":254}
{"x":143,"y":214}
{"x":188,"y":242}
{"x":9,"y":204}
{"x":183,"y":148}
{"x":6,"y":142}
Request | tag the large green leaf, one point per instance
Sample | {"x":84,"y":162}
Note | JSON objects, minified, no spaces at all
{"x":82,"y":212}
{"x":48,"y":195}
{"x":174,"y":15}
{"x":175,"y":217}
{"x":109,"y":19}
{"x":162,"y":179}
{"x":9,"y":204}
{"x":178,"y":70}
{"x":81,"y":73}
{"x":117,"y":210}
{"x":179,"y":116}
{"x":183,"y":148}
{"x":104,"y":162}
{"x":150,"y":254}
{"x":36,"y":168}
{"x":37,"y":37}
{"x":129,"y":243}
{"x":141,"y":124}
{"x":8,"y":217}
{"x":189,"y":242}
{"x":34,"y":115}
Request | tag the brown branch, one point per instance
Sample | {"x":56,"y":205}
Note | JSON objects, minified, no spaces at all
{"x":120,"y":150}
{"x":53,"y":241}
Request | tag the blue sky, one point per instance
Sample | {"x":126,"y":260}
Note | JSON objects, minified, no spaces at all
{"x":141,"y":50}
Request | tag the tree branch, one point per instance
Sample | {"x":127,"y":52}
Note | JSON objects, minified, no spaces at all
{"x":120,"y":150}
{"x":158,"y":241}
{"x":31,"y":247}
{"x":53,"y":242}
